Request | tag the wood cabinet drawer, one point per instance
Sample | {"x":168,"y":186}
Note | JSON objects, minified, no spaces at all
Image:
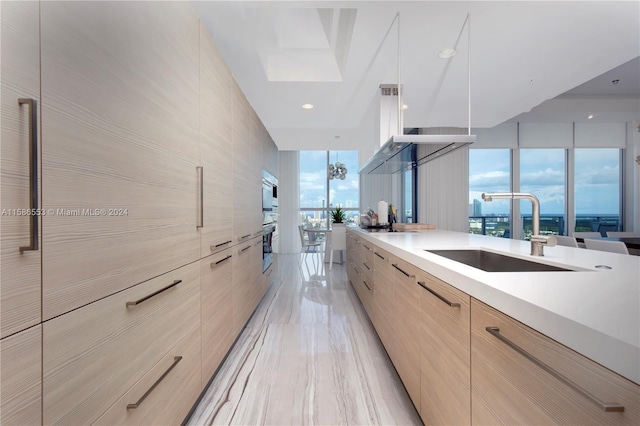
{"x":216,"y":275}
{"x":509,"y":387}
{"x":20,"y":378}
{"x":444,"y":347}
{"x":166,"y":393}
{"x":405,"y":352}
{"x":243,"y":286}
{"x":93,"y":355}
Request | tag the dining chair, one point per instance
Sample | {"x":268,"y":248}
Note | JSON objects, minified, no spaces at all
{"x":586,"y":235}
{"x":307,"y":245}
{"x":627,"y":234}
{"x":567,"y":241}
{"x":604,"y":245}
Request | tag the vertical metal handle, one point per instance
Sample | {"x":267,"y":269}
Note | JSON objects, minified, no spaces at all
{"x":176,"y":360}
{"x":605,"y":406}
{"x":200,"y":170}
{"x":33,"y":174}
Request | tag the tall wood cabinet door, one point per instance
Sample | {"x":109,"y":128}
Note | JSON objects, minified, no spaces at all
{"x":216,"y":272}
{"x":444,"y":321}
{"x":247,"y":176}
{"x":269,"y":154}
{"x":20,"y":283}
{"x":120,"y":146}
{"x":21,"y":377}
{"x":216,"y":153}
{"x":520,"y":376}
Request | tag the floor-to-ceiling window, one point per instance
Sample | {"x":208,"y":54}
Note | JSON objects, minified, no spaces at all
{"x":319,"y":194}
{"x":542,"y":173}
{"x":489,"y":171}
{"x":597,"y":189}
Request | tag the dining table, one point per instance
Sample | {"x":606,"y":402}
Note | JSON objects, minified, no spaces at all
{"x":314,"y":233}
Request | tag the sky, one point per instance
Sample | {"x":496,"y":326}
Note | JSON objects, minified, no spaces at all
{"x":313,"y":179}
{"x":597,"y":179}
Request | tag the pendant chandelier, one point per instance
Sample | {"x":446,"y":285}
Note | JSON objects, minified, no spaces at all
{"x":337,"y":171}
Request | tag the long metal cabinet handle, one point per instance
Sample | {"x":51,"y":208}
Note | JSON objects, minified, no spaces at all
{"x":379,"y":255}
{"x":155,"y":293}
{"x":244,"y":249}
{"x":368,"y":248}
{"x":366,"y":266}
{"x":220,"y":245}
{"x":606,"y":406}
{"x":33,"y":174}
{"x":244,"y":237}
{"x":220,"y":261}
{"x":452,"y":304}
{"x":176,"y":360}
{"x":366,"y":285}
{"x":396,"y":266}
{"x":200,"y":170}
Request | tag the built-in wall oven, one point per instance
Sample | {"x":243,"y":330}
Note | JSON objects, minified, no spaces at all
{"x":270,"y":217}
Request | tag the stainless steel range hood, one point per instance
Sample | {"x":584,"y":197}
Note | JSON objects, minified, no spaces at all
{"x":401,"y":152}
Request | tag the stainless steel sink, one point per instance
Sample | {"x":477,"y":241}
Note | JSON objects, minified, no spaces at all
{"x":494,"y":262}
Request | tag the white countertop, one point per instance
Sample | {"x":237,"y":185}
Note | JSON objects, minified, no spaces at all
{"x":596,"y":312}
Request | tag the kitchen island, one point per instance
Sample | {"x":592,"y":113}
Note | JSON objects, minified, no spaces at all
{"x":592,"y":309}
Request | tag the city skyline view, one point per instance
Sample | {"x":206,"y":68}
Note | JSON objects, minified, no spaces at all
{"x":542,"y":172}
{"x":313,"y":180}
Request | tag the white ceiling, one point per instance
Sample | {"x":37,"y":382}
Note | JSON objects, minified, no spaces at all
{"x":336,"y":54}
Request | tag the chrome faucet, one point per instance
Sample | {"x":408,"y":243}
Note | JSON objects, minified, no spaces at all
{"x":537,"y":241}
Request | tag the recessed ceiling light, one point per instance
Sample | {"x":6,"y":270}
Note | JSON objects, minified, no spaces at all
{"x":590,"y":116}
{"x":307,"y":106}
{"x":447,"y":53}
{"x":405,"y":106}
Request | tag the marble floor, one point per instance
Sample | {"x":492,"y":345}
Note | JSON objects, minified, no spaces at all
{"x":308,"y":356}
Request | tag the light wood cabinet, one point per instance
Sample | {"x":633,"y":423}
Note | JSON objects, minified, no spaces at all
{"x":270,"y":157}
{"x":247,"y":177}
{"x":244,"y":298}
{"x":508,"y":387}
{"x":94,"y":355}
{"x":21,"y":378}
{"x":216,"y":153}
{"x":217,"y":309}
{"x":405,"y":347}
{"x":174,"y":383}
{"x":20,"y":281}
{"x":445,"y":383}
{"x":120,"y":146}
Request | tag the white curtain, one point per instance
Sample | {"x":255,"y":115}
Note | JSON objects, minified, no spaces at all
{"x":289,"y":202}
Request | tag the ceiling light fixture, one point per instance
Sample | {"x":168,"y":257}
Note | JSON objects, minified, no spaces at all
{"x":447,"y":53}
{"x":405,"y":106}
{"x":590,"y":116}
{"x":307,"y":106}
{"x":337,"y":171}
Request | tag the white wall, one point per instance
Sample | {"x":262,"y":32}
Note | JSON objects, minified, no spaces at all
{"x":443,"y":191}
{"x":289,"y":202}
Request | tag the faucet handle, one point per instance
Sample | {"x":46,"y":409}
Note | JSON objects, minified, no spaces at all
{"x":547,"y":240}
